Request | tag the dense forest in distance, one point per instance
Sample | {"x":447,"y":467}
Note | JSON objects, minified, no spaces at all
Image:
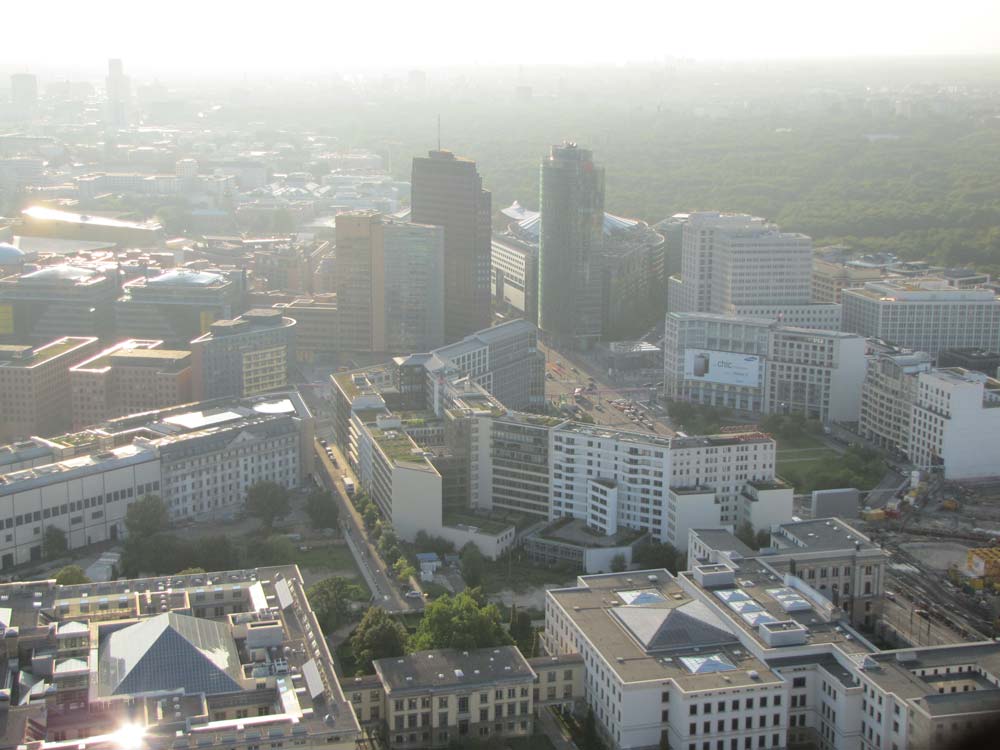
{"x":925,"y":187}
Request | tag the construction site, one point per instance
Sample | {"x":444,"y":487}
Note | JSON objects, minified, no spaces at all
{"x":944,"y":538}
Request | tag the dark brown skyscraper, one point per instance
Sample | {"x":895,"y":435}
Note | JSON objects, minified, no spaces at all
{"x":447,"y":191}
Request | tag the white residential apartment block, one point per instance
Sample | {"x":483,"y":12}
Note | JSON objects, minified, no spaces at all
{"x":613,"y":478}
{"x":815,"y":373}
{"x":955,"y":423}
{"x":757,"y":365}
{"x":924,"y":315}
{"x":887,"y":397}
{"x":200,"y":458}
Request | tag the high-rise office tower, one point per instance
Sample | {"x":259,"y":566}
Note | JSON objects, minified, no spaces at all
{"x":447,"y":191}
{"x":23,"y":94}
{"x":118,"y":89}
{"x":737,"y":264}
{"x":570,"y":245}
{"x":389,"y":277}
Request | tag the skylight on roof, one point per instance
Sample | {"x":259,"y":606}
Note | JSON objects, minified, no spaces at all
{"x":707,"y":664}
{"x":640,"y":597}
{"x":789,"y":599}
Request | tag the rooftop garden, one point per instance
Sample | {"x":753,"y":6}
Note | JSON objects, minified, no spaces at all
{"x":488,"y":524}
{"x":396,"y":444}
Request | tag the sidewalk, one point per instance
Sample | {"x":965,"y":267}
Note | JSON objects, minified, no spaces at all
{"x":554,"y":730}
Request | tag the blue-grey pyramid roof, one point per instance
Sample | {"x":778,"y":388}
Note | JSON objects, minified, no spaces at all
{"x":168,"y":652}
{"x":665,"y":628}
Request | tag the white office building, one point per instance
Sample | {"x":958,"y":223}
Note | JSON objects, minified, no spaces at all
{"x":757,"y":365}
{"x":815,"y":373}
{"x":924,"y":315}
{"x":737,"y":264}
{"x":955,"y":423}
{"x":689,"y":342}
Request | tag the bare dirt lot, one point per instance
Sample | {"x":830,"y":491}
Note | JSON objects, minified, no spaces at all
{"x":938,"y":555}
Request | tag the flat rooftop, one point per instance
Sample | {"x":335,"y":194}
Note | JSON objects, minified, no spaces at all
{"x":724,"y":541}
{"x":759,"y":595}
{"x":819,"y":534}
{"x":447,"y":669}
{"x":647,"y":627}
{"x":600,"y":431}
{"x":899,"y":672}
{"x":736,"y":438}
{"x":26,"y":357}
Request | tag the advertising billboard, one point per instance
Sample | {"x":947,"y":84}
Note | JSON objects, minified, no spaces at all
{"x":728,"y":368}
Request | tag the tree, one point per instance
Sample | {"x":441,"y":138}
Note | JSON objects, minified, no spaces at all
{"x":370,"y":516}
{"x":459,"y":622}
{"x":473,"y":565}
{"x":268,"y":501}
{"x":387,"y":541}
{"x":656,"y":555}
{"x":331,"y":600}
{"x":378,"y":636}
{"x":425,"y":542}
{"x":54,"y":543}
{"x":71,"y":575}
{"x":618,"y":563}
{"x":146,"y":516}
{"x":403,"y":570}
{"x":745,"y":533}
{"x":520,"y":629}
{"x":322,"y":509}
{"x":591,"y":740}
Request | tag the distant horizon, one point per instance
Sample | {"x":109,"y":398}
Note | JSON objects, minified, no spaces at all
{"x":95,"y":71}
{"x":227,"y":38}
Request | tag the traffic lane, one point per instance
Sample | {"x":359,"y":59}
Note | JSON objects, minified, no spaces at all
{"x":387,"y":594}
{"x":603,"y":410}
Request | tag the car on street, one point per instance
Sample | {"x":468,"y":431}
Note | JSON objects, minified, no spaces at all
{"x":413,"y":595}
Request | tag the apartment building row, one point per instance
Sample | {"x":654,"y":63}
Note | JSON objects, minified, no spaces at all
{"x":756,"y":364}
{"x":446,"y":696}
{"x":748,"y":650}
{"x":200,"y":458}
{"x":942,"y":419}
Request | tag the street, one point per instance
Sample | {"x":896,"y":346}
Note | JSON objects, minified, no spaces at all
{"x":564,"y":374}
{"x":886,"y":489}
{"x":385,"y":590}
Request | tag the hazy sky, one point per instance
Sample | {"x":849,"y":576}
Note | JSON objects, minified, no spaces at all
{"x":251,"y":35}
